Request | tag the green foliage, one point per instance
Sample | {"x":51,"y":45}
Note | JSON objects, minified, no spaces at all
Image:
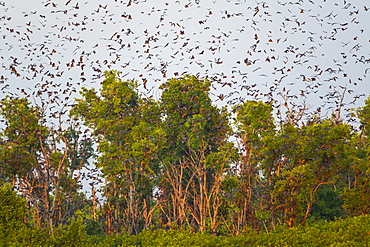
{"x":14,"y":229}
{"x":72,"y":235}
{"x":21,"y":139}
{"x":328,"y":205}
{"x":356,"y":200}
{"x":93,"y":226}
{"x":348,"y":232}
{"x":41,"y":161}
{"x":254,"y":118}
{"x":356,"y":196}
{"x":310,"y":156}
{"x":129,"y":133}
{"x":364,"y":115}
{"x":170,"y":164}
{"x":190,"y":119}
{"x":196,"y":153}
{"x":12,"y":211}
{"x":345,"y":232}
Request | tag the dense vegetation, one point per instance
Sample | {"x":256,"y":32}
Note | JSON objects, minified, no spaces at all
{"x":180,"y":171}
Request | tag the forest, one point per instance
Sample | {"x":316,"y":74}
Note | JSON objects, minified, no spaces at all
{"x":179,"y":170}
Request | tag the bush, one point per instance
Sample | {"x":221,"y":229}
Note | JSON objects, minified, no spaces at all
{"x":13,"y":214}
{"x":72,"y":235}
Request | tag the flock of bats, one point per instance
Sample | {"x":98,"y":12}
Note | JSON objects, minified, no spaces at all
{"x":289,"y":52}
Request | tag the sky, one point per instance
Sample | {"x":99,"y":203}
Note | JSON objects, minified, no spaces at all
{"x":305,"y":52}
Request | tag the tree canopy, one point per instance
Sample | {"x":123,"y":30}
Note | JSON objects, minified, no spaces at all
{"x":179,"y":162}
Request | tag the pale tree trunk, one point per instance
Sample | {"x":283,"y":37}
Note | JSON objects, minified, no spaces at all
{"x":205,"y":194}
{"x":174,"y":175}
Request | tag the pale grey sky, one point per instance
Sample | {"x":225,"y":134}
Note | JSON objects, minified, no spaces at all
{"x":297,"y":45}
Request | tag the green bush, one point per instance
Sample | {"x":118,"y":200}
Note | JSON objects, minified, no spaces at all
{"x":15,"y":232}
{"x":72,"y":235}
{"x":344,"y":232}
{"x":13,"y":214}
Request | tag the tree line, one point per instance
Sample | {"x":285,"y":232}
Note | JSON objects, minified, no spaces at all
{"x":180,"y":162}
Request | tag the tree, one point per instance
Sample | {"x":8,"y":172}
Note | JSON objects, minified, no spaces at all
{"x":256,"y":139}
{"x":37,"y":160}
{"x":357,"y":195}
{"x":314,"y":155}
{"x":127,"y":129}
{"x":22,"y":138}
{"x":287,"y":168}
{"x":196,"y":155}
